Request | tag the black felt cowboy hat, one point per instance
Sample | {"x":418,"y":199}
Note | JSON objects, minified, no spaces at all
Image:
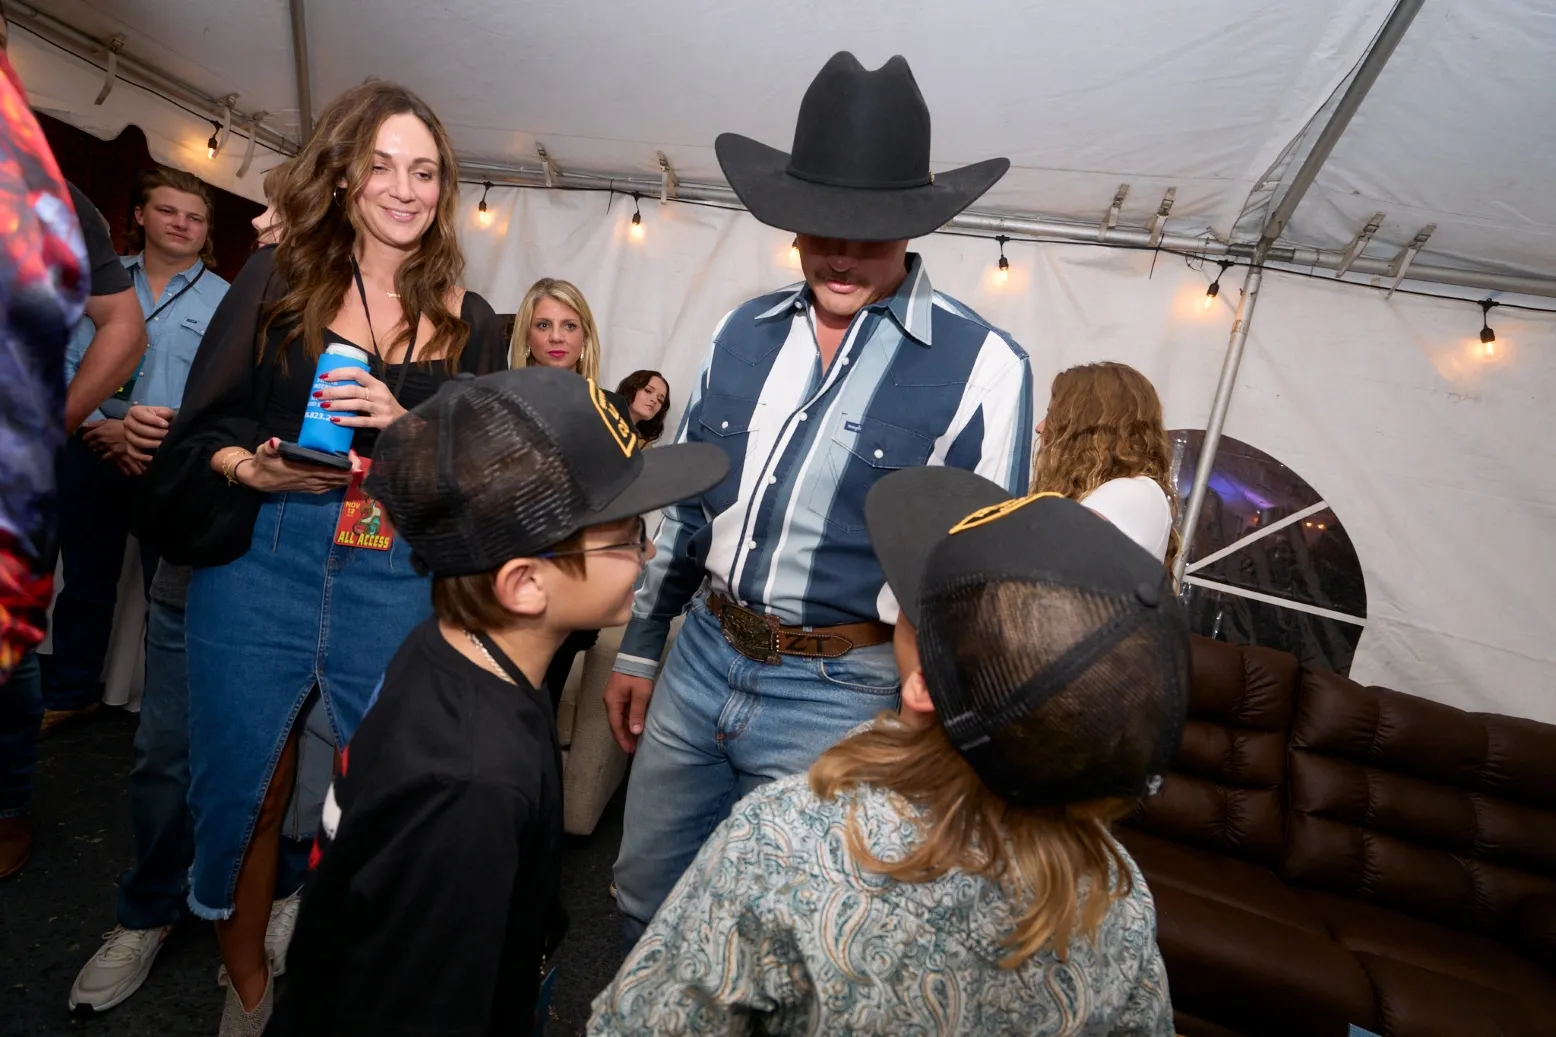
{"x":860,"y":166}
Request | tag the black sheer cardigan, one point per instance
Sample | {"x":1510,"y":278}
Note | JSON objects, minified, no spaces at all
{"x":188,"y":513}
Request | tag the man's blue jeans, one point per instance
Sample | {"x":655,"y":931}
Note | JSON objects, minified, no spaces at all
{"x":153,"y":891}
{"x":93,"y":526}
{"x":720,"y":725}
{"x":21,"y":710}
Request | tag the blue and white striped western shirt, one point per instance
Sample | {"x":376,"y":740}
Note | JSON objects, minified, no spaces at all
{"x":919,"y":379}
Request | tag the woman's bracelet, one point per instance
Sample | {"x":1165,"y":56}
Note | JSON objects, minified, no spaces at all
{"x":230,"y":467}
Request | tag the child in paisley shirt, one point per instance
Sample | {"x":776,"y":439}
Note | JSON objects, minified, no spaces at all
{"x":951,"y":870}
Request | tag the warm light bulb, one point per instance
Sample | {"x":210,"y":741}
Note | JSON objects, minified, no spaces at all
{"x":210,"y":147}
{"x":483,"y":215}
{"x":636,"y":230}
{"x":794,"y":253}
{"x":1003,"y":274}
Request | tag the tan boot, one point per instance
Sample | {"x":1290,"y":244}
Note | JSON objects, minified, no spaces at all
{"x":53,"y":718}
{"x":15,"y":844}
{"x":238,"y":1023}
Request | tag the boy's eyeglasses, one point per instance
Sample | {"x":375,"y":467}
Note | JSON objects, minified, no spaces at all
{"x":639,"y":543}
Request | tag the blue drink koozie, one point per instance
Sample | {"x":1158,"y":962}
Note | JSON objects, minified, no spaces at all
{"x":319,"y":432}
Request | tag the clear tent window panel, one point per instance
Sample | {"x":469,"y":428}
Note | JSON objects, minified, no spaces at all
{"x":1270,"y":563}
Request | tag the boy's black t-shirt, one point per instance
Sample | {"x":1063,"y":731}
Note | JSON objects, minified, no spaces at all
{"x":434,"y":893}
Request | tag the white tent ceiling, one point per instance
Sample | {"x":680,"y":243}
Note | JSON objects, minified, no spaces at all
{"x":1200,"y":95}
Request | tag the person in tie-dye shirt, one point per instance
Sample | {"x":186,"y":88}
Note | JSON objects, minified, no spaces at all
{"x":42,"y":293}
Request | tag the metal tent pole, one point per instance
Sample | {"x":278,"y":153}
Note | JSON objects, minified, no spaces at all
{"x":300,"y":60}
{"x":1218,"y":408}
{"x":1366,"y":75}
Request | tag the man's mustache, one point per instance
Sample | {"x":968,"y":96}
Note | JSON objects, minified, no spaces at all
{"x":839,"y":278}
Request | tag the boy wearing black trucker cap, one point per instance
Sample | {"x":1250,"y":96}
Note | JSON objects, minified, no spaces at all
{"x":951,"y":870}
{"x":433,"y":900}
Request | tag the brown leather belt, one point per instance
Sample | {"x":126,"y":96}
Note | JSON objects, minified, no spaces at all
{"x":761,"y":637}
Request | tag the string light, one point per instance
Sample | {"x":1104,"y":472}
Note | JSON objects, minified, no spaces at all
{"x":483,"y":215}
{"x":794,"y":252}
{"x":213,"y":145}
{"x":635,"y":231}
{"x":1002,"y":275}
{"x":1488,"y":337}
{"x":1214,"y":289}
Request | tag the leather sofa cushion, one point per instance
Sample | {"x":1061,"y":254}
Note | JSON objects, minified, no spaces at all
{"x":1243,"y":950}
{"x":1419,"y":806}
{"x":1505,"y":757}
{"x":1236,"y":884}
{"x":1433,"y":980}
{"x":1189,"y":1025}
{"x":1224,"y":791}
{"x":1537,"y":929}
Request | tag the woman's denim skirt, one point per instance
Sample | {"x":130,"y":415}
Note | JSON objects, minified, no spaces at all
{"x":297,"y":612}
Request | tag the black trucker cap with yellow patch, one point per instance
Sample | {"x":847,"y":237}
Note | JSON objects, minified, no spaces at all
{"x":508,"y":464}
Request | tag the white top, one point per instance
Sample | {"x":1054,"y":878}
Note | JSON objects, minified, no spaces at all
{"x":1139,"y":508}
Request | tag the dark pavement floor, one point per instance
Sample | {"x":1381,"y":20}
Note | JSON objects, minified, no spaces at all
{"x":53,"y":914}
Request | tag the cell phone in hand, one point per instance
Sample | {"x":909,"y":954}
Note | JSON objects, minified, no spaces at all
{"x":307,"y":455}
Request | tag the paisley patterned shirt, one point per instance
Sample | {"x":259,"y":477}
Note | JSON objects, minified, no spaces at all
{"x":776,"y":929}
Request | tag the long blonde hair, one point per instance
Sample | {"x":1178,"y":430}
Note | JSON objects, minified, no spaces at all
{"x":1042,"y":858}
{"x":566,"y":293}
{"x":1105,"y":422}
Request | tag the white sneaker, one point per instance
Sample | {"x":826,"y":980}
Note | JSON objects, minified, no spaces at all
{"x":278,"y":932}
{"x":118,"y":968}
{"x":278,"y":936}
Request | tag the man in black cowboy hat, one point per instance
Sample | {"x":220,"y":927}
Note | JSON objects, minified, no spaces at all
{"x":814,"y":392}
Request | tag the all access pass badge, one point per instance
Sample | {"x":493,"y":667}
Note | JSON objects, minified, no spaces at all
{"x":363,"y":521}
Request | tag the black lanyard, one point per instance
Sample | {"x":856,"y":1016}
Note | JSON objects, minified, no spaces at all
{"x":124,"y":391}
{"x":176,"y":296}
{"x":410,"y":350}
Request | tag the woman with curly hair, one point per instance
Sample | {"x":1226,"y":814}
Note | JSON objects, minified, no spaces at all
{"x":1104,"y":444}
{"x":281,"y":607}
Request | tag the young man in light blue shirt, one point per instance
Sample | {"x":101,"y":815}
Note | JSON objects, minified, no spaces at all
{"x":178,"y":292}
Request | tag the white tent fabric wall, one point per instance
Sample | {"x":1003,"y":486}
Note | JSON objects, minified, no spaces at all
{"x":1435,"y":461}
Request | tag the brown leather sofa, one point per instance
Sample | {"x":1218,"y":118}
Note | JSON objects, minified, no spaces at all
{"x":1326,"y":853}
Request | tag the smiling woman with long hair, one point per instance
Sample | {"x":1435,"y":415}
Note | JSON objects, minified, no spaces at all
{"x":1104,"y":443}
{"x":281,"y":608}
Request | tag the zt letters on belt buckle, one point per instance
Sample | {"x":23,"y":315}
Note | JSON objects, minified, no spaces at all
{"x":753,"y":635}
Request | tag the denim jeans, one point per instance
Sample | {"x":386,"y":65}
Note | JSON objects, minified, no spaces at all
{"x":93,"y":524}
{"x":720,"y":725}
{"x":21,"y":710}
{"x":153,"y":890}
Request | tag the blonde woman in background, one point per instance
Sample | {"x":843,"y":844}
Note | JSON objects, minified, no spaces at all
{"x":1103,"y":443}
{"x":555,"y":328}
